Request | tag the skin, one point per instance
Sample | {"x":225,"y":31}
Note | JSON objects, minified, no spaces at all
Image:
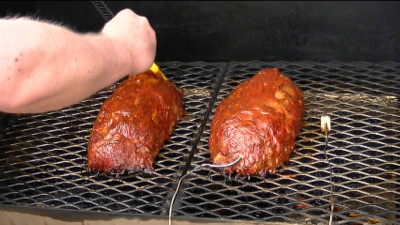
{"x":46,"y":67}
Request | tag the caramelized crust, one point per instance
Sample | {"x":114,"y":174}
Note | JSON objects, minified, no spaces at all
{"x":133,"y":124}
{"x":259,"y":121}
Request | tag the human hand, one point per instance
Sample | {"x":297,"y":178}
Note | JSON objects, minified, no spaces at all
{"x":135,"y":35}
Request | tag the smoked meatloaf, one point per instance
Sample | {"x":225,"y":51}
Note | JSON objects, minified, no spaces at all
{"x":133,"y":124}
{"x":259,"y":121}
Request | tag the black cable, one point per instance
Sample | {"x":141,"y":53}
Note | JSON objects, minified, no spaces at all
{"x":204,"y":121}
{"x":103,"y":9}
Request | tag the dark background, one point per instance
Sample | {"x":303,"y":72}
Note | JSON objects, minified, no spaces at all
{"x":222,"y":31}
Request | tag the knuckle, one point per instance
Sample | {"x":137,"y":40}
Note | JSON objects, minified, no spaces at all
{"x":128,"y":11}
{"x":144,"y":20}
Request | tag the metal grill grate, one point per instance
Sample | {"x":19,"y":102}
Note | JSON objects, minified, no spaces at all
{"x":364,"y":151}
{"x":43,"y":157}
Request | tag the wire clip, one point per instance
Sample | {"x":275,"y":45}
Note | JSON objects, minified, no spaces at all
{"x":325,"y":123}
{"x":326,"y":127}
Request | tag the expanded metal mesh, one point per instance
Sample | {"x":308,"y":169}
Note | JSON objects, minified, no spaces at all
{"x":43,"y":157}
{"x":364,"y":151}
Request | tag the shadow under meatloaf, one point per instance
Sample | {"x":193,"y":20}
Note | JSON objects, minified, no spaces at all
{"x":133,"y":124}
{"x":258,"y":121}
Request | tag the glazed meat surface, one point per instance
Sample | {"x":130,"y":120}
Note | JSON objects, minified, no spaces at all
{"x":259,"y":121}
{"x":133,"y":124}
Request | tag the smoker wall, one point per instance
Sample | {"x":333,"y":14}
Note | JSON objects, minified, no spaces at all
{"x":221,"y":31}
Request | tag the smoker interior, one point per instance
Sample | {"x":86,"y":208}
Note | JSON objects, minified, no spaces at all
{"x":43,"y":157}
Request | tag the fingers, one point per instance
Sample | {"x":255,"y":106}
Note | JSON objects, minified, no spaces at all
{"x":136,"y":35}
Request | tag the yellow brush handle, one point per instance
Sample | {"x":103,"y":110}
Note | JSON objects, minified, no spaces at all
{"x":156,"y":70}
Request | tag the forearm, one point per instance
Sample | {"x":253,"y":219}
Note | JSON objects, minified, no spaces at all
{"x":53,"y":67}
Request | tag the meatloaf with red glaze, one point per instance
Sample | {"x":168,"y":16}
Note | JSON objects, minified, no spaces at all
{"x":133,"y":124}
{"x":259,"y":121}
